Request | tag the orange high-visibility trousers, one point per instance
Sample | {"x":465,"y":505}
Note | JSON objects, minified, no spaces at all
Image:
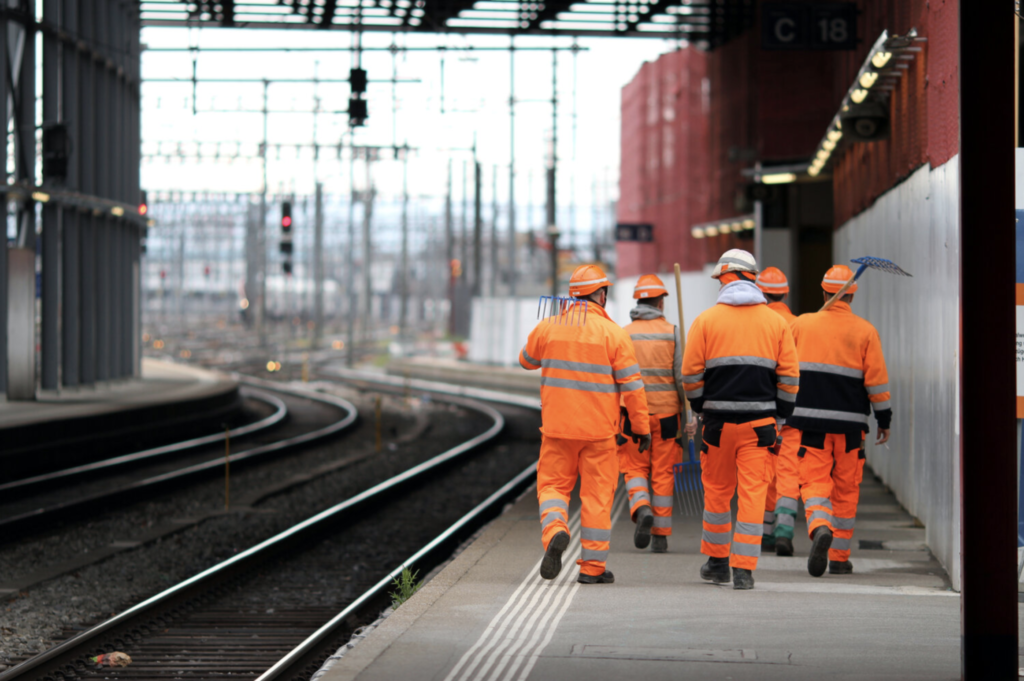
{"x":735,"y":457}
{"x":780,"y":504}
{"x":655,"y":465}
{"x":596,"y":464}
{"x":831,"y":470}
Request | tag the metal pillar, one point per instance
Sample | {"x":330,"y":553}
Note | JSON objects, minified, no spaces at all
{"x":988,"y":504}
{"x":350,"y":265}
{"x":478,"y":227}
{"x":449,"y":250}
{"x":512,"y":167}
{"x":51,"y":238}
{"x":84,"y":160}
{"x":261,"y":246}
{"x":318,"y":266}
{"x":367,"y":250}
{"x":494,"y":235}
{"x":403,"y":266}
{"x":4,"y":93}
{"x":552,"y":169}
{"x":70,"y":252}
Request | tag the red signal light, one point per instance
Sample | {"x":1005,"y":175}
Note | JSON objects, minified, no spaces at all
{"x":286,"y":221}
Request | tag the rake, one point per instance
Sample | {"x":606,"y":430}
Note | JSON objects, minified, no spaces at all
{"x":560,"y":310}
{"x":865,"y":263}
{"x":689,"y":486}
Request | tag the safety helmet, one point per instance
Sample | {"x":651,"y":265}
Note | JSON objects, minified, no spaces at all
{"x":649,"y":286}
{"x":586,"y":279}
{"x":771,"y":280}
{"x":734,"y":260}
{"x":836,"y":276}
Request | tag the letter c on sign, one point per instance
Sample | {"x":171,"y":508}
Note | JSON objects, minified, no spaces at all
{"x":785,"y":30}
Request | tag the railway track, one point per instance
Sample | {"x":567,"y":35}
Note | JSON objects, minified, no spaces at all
{"x":217,"y":623}
{"x":43,"y":500}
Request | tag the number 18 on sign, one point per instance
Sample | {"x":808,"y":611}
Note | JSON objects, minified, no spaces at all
{"x":802,"y":26}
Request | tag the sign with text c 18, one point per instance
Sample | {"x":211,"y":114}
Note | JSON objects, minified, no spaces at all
{"x":641,"y":232}
{"x":804,"y":26}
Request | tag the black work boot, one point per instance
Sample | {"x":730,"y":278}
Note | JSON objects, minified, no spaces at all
{"x":659,"y":543}
{"x":606,"y":578}
{"x":817,"y":561}
{"x":783,"y":546}
{"x":552,"y":563}
{"x":742,"y":578}
{"x":840,"y":567}
{"x":644,"y":522}
{"x":767,"y":542}
{"x":716,"y":570}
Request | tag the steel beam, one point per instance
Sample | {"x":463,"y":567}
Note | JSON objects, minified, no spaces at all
{"x":51,"y":238}
{"x":84,"y":161}
{"x":988,"y":503}
{"x":70,"y":252}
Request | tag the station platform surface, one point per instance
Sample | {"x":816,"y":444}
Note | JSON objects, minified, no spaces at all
{"x":461,"y":372}
{"x":162,"y":383}
{"x":488,"y":616}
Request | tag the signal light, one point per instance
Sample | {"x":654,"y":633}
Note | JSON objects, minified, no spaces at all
{"x":287,"y":267}
{"x":286,"y":216}
{"x":143,"y":203}
{"x":456,"y":268}
{"x":357,"y":112}
{"x":357,"y":81}
{"x":287,"y":247}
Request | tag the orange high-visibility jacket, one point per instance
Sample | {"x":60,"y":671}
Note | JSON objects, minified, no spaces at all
{"x":585,"y":367}
{"x":740,"y":364}
{"x":660,"y":355}
{"x":843,"y":372}
{"x":783,"y":310}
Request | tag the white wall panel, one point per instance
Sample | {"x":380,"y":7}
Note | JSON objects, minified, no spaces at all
{"x":916,"y":225}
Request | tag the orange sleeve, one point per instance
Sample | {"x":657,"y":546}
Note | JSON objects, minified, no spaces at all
{"x":787,"y":373}
{"x":532,"y":353}
{"x":876,"y":380}
{"x":626,"y":372}
{"x":693,"y":366}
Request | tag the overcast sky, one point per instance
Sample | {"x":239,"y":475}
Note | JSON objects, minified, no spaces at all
{"x":474,"y":97}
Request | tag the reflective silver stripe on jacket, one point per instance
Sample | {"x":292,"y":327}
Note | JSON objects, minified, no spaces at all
{"x":627,"y":371}
{"x":722,"y":405}
{"x":751,"y":550}
{"x":694,"y":378}
{"x":595,"y":534}
{"x":662,"y":521}
{"x":875,"y":389}
{"x":660,"y":388}
{"x":789,"y":380}
{"x":662,"y":501}
{"x":656,"y":372}
{"x":712,"y":518}
{"x":716,"y":537}
{"x":784,"y":396}
{"x":529,"y":359}
{"x":555,"y":503}
{"x":632,"y":385}
{"x":881,"y":406}
{"x":843,"y":523}
{"x":831,"y":369}
{"x":694,"y":394}
{"x":583,"y":367}
{"x":751,"y":529}
{"x":652,"y":336}
{"x":740,"y":360}
{"x":829,"y":414}
{"x":591,"y":554}
{"x":571,"y":384}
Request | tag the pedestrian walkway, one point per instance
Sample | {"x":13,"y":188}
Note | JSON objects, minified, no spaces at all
{"x":489,"y":617}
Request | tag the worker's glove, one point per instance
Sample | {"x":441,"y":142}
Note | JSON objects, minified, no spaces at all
{"x":645,"y":442}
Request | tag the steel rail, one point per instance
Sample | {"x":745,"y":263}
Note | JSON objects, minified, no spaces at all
{"x":13,"y":526}
{"x":68,"y":657}
{"x":63,"y":476}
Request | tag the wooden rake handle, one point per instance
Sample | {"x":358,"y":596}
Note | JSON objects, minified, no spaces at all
{"x":682,"y":342}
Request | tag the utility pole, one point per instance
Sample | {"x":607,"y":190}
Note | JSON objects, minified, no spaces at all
{"x":478,"y":226}
{"x":261,"y":241}
{"x":449,"y":251}
{"x":552,"y":226}
{"x":512,"y":167}
{"x":404,"y":264}
{"x":367,"y":249}
{"x":318,"y":267}
{"x":494,"y":235}
{"x":464,"y":246}
{"x":350,"y":274}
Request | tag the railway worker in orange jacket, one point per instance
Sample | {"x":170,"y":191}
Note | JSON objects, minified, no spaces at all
{"x":740,"y":373}
{"x":587,"y":363}
{"x":660,"y":355}
{"x":843,"y":378}
{"x":780,"y":505}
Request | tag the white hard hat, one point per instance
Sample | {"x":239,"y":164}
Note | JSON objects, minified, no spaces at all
{"x":735,"y":260}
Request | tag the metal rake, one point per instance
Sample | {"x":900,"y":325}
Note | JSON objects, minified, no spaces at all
{"x":867,"y":262}
{"x":561,"y":310}
{"x":689,"y":486}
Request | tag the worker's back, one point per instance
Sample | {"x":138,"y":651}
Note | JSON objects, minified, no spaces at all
{"x":586,"y":360}
{"x":842,"y":372}
{"x":660,"y":357}
{"x":739,"y":365}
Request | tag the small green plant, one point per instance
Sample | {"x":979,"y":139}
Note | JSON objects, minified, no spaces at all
{"x":405,"y":586}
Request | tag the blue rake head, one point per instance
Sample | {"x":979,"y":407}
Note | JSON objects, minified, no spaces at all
{"x":688,"y":484}
{"x":878,"y":264}
{"x":561,"y":310}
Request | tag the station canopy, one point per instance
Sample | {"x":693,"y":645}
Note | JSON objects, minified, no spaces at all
{"x":708,"y":23}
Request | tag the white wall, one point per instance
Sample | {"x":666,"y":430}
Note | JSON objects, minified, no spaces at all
{"x":916,"y":225}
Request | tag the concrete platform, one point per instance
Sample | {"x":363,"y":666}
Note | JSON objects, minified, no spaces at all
{"x":488,"y":615}
{"x":174,"y":397}
{"x":513,"y":379}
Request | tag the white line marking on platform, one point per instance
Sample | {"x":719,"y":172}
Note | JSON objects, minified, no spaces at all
{"x":527,"y":622}
{"x":851,"y":589}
